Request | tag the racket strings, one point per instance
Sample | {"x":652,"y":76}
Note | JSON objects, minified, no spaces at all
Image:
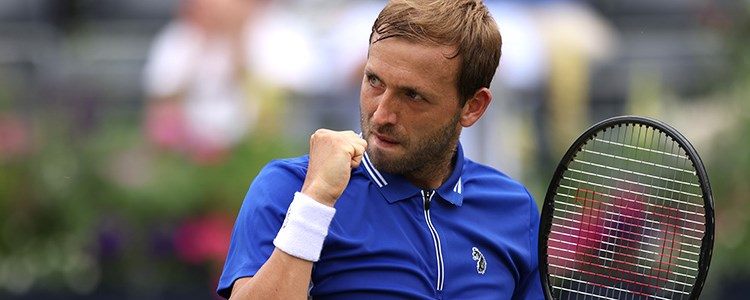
{"x":628,"y":219}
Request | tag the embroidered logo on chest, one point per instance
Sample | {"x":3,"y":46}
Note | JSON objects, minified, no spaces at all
{"x":481,"y":263}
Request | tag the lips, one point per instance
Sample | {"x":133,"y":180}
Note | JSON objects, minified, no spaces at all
{"x":385,"y":140}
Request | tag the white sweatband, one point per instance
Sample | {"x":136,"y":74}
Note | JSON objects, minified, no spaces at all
{"x":305,"y":228}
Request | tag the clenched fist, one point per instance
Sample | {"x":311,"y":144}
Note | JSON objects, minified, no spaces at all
{"x":333,"y":155}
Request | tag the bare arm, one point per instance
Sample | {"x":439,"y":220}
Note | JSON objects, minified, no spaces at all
{"x":283,"y":276}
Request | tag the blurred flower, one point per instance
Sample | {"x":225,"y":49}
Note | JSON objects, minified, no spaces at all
{"x":14,"y":137}
{"x":204,"y":239}
{"x":111,"y":237}
{"x":165,"y":125}
{"x":170,"y":129}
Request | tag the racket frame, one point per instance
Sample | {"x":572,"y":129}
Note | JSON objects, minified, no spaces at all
{"x":548,"y":208}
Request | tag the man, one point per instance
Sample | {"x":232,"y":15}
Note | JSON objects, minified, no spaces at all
{"x":398,"y":212}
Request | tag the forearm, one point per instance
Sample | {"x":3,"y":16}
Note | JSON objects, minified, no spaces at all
{"x":286,"y":273}
{"x":282,"y":277}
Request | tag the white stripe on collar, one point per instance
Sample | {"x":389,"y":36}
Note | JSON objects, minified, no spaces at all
{"x":374,"y":174}
{"x":459,"y":187}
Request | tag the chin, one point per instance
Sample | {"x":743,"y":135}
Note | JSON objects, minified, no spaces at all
{"x":387,"y":162}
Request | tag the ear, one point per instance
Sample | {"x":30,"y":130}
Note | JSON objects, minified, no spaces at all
{"x":475,"y":107}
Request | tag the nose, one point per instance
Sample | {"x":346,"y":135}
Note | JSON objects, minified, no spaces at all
{"x":386,"y":110}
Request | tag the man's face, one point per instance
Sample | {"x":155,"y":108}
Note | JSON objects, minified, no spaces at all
{"x":409,"y":105}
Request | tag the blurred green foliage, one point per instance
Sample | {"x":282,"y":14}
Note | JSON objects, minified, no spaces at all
{"x":87,"y":207}
{"x":729,"y":161}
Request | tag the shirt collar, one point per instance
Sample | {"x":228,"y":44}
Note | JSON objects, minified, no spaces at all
{"x":395,"y":188}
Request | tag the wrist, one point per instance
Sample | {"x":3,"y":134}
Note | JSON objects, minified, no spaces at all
{"x":305,"y":227}
{"x":313,"y":191}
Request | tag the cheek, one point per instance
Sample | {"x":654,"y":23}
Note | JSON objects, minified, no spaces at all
{"x":367,"y":103}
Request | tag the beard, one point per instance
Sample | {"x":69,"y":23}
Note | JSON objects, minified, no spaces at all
{"x":423,"y":152}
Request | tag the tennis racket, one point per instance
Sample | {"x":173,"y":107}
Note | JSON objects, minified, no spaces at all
{"x":628,"y":215}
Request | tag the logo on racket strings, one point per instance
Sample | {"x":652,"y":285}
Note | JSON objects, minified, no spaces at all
{"x":481,"y":263}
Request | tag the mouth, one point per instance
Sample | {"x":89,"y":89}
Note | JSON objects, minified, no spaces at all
{"x":384,"y":141}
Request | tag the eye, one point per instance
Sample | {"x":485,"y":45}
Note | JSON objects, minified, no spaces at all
{"x":413,"y":95}
{"x":373,"y":80}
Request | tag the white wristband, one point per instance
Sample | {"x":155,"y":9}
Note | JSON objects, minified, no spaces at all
{"x":305,"y":228}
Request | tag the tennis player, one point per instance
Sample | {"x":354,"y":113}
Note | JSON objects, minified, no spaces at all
{"x":396,"y":212}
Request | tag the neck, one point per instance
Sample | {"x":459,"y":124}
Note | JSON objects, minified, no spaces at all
{"x":433,"y":174}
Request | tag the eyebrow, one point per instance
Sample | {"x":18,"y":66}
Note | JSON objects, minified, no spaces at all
{"x":369,"y":73}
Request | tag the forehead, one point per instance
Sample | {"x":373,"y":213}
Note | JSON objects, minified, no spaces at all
{"x":401,"y":62}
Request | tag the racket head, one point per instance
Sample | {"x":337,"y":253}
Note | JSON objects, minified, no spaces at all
{"x":602,"y":206}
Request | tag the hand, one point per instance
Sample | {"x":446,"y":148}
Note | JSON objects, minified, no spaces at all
{"x":333,"y":154}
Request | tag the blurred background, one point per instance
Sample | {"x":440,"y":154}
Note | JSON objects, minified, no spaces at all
{"x":131,"y":130}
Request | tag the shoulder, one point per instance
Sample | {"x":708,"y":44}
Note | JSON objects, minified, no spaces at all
{"x":487,"y":186}
{"x":294,"y":167}
{"x":277,"y":182}
{"x":489,"y":177}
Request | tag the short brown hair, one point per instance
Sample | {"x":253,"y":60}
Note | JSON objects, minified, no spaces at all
{"x":464,"y":24}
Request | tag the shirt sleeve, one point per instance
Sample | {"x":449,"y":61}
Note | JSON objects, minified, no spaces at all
{"x":530,"y":285}
{"x":259,"y":220}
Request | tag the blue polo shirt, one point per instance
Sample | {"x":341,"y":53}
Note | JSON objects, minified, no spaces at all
{"x":475,"y":237}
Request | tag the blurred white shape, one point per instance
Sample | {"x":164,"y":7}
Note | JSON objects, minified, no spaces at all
{"x":169,"y":64}
{"x":578,"y":24}
{"x":349,"y":39}
{"x":182,"y":63}
{"x":524,"y":63}
{"x":282,"y":51}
